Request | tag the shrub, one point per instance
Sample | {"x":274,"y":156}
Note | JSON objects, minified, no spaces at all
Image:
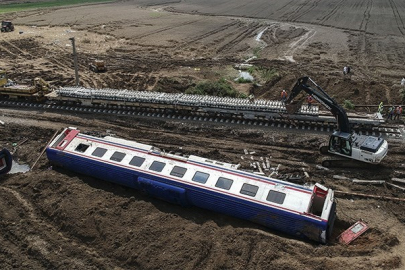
{"x":256,"y":52}
{"x":243,"y":80}
{"x":348,"y":104}
{"x":251,"y":69}
{"x":402,"y":94}
{"x":268,"y":74}
{"x":220,"y":88}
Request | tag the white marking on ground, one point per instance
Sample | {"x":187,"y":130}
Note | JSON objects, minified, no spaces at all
{"x":298,"y":44}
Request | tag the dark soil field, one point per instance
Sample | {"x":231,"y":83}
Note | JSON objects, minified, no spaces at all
{"x":55,"y":219}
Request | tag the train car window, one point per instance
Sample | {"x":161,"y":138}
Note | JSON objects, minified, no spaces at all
{"x":157,"y":166}
{"x":117,"y":156}
{"x":224,"y":183}
{"x":136,"y":161}
{"x":200,"y":177}
{"x":276,"y":197}
{"x":249,"y":189}
{"x":99,"y":152}
{"x":178,"y":171}
{"x":82,"y":147}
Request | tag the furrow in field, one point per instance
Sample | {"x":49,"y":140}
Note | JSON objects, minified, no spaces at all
{"x":366,"y":16}
{"x":206,"y":35}
{"x":167,"y":28}
{"x":397,"y":16}
{"x":238,"y":37}
{"x":323,"y":20}
{"x":300,"y":11}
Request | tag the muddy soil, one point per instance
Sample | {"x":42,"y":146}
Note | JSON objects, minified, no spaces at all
{"x":51,"y":218}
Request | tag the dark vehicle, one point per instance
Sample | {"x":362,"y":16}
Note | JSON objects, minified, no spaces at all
{"x":6,"y":161}
{"x":7,"y":26}
{"x":97,"y":66}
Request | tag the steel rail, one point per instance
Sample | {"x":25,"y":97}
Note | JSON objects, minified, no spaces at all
{"x":316,"y":125}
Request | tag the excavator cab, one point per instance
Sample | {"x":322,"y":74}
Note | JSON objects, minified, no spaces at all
{"x":340,"y":143}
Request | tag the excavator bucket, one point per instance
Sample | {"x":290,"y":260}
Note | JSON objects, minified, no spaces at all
{"x":294,"y":107}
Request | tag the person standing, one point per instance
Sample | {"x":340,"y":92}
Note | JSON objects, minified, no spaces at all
{"x":283,"y":96}
{"x":344,"y":70}
{"x":251,"y":98}
{"x":398,"y":113}
{"x":310,"y":99}
{"x":381,"y":107}
{"x":391,"y":111}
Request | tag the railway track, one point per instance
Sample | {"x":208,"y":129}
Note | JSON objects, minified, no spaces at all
{"x":302,"y":124}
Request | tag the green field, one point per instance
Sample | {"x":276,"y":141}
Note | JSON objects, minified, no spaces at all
{"x":7,"y":8}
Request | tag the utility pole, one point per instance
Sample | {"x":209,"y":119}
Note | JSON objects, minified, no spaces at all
{"x":75,"y":60}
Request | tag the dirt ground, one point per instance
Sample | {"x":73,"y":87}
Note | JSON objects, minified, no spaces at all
{"x":55,"y":219}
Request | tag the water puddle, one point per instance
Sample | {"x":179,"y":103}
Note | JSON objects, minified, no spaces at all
{"x":19,"y":168}
{"x":245,"y":76}
{"x":259,"y":36}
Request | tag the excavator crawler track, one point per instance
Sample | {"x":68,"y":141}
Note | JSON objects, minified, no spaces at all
{"x":344,"y":163}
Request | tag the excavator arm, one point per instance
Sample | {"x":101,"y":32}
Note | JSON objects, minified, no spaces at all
{"x":323,"y":98}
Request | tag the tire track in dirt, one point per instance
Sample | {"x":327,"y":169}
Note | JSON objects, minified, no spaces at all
{"x":206,"y":35}
{"x":13,"y":50}
{"x":44,"y":243}
{"x":260,"y":9}
{"x":64,"y":63}
{"x":361,"y":47}
{"x":8,"y":225}
{"x":302,"y":10}
{"x":16,"y":51}
{"x":297,"y":44}
{"x":287,"y":5}
{"x":288,"y":16}
{"x":163,"y":29}
{"x":89,"y":77}
{"x":332,"y":12}
{"x":238,"y":38}
{"x":366,"y":16}
{"x":363,"y":56}
{"x":239,"y":7}
{"x":12,"y":55}
{"x":397,"y":16}
{"x":61,"y":62}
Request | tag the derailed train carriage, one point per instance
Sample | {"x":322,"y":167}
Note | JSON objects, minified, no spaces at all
{"x":302,"y":211}
{"x":6,"y":161}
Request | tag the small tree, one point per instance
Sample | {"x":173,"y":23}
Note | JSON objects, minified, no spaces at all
{"x":220,"y":88}
{"x":243,"y":80}
{"x":348,"y":104}
{"x":402,"y":94}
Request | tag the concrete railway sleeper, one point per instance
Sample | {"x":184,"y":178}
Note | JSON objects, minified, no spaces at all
{"x":201,"y":116}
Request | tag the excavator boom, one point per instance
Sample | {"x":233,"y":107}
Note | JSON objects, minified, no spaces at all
{"x":323,"y":98}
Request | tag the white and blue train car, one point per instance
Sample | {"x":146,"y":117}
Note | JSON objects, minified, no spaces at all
{"x":6,"y":161}
{"x":302,"y":211}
